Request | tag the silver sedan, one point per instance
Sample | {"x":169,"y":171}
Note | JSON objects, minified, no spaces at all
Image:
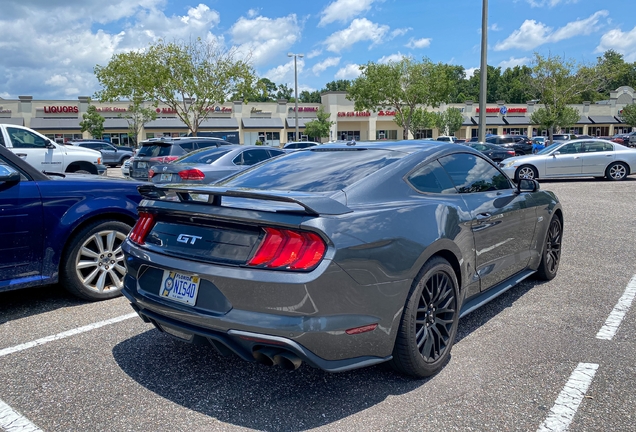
{"x":576,"y":158}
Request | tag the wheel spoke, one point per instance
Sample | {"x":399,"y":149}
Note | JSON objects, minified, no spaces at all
{"x":115,"y":279}
{"x":120,"y":268}
{"x":86,"y":264}
{"x":87,"y":252}
{"x":428,"y":345}
{"x":101,"y":282}
{"x":87,"y":280}
{"x":99,"y":242}
{"x":110,"y":240}
{"x":420,"y":337}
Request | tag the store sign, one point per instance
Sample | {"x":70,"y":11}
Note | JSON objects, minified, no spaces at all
{"x":503,"y":110}
{"x":2,"y":110}
{"x":386,"y":113}
{"x":219,"y":109}
{"x":60,"y":109}
{"x":166,"y":111}
{"x":304,"y":109}
{"x":111,"y":109}
{"x":354,"y":114}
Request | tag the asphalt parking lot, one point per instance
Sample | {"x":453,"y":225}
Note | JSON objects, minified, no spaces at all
{"x":542,"y":356}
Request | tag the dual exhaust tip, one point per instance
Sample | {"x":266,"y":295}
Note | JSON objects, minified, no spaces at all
{"x":277,"y":357}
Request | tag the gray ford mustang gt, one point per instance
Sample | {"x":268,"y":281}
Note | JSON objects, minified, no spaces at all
{"x":341,"y":256}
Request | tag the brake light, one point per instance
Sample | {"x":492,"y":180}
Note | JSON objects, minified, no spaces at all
{"x":511,"y":152}
{"x":282,"y":248}
{"x":164,"y":159}
{"x":151,"y":173}
{"x":142,"y":228}
{"x":191,"y":174}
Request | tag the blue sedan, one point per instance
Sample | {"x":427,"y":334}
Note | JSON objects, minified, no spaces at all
{"x":63,"y":227}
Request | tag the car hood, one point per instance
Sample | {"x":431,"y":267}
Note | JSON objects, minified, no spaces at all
{"x":80,"y":151}
{"x":523,"y":159}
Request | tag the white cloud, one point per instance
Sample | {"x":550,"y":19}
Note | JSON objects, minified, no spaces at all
{"x":350,"y":71}
{"x":343,"y":10}
{"x":400,"y":32}
{"x":419,"y":43}
{"x":314,"y":53}
{"x":470,"y":72}
{"x":326,"y":63}
{"x":252,"y":13}
{"x":494,"y":27}
{"x":265,"y":38}
{"x":512,"y":62}
{"x":531,"y":34}
{"x":284,"y":74}
{"x":549,"y":3}
{"x":619,"y":41}
{"x":392,"y":58}
{"x":57,"y":80}
{"x":361,"y":29}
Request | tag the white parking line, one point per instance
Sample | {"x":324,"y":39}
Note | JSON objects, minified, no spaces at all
{"x":13,"y":421}
{"x":609,"y":329}
{"x":569,"y":399}
{"x":42,"y":341}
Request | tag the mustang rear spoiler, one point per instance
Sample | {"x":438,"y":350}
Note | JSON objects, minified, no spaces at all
{"x":313,"y":204}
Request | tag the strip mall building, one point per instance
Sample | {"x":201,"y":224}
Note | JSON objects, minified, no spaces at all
{"x":275,"y":123}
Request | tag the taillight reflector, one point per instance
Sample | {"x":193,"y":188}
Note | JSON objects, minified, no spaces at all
{"x":282,"y":248}
{"x":363,"y":329}
{"x":142,"y":228}
{"x":191,"y":174}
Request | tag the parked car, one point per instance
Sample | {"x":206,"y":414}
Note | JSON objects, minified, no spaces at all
{"x":299,"y":145}
{"x":164,"y":150}
{"x":111,"y":155}
{"x":46,"y":155}
{"x":494,"y":152}
{"x":342,"y":256}
{"x":63,"y":227}
{"x":575,"y":158}
{"x":538,"y":144}
{"x":622,"y":139}
{"x":521,"y":144}
{"x":211,"y":164}
{"x":125,"y":167}
{"x":75,"y":141}
{"x":450,"y":139}
{"x":632,"y":139}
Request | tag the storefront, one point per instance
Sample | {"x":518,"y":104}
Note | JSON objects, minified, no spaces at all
{"x":265,"y":130}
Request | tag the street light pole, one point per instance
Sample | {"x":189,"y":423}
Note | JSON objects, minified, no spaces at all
{"x":296,"y":89}
{"x":483,"y":72}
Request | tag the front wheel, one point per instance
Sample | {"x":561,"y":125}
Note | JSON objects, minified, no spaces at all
{"x":526,"y":172}
{"x":429,"y":321}
{"x":616,"y":171}
{"x":93,"y":266}
{"x":551,"y":255}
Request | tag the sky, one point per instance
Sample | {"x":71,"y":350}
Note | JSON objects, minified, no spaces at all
{"x":48,"y":48}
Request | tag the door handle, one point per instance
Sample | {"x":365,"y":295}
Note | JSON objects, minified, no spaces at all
{"x":21,"y":155}
{"x":483,"y":216}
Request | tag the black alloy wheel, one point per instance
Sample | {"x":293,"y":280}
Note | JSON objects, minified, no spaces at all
{"x":551,"y":251}
{"x":429,"y":322}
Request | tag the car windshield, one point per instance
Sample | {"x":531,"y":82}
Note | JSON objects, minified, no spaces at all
{"x":316,"y":170}
{"x":154,"y":150}
{"x":549,"y":149}
{"x":203,"y":156}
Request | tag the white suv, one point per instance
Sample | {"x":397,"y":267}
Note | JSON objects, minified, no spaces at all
{"x":45,"y":155}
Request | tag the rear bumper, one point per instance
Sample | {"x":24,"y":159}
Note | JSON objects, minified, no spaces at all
{"x":101,"y":169}
{"x":242,"y":310}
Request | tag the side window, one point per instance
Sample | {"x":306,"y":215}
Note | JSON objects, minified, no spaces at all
{"x":471,"y":174}
{"x":431,"y":178}
{"x":2,"y":139}
{"x":188,"y":146}
{"x":206,"y":144}
{"x":238,"y":160}
{"x":9,"y":167}
{"x":570,"y":148}
{"x":251,"y":157}
{"x":274,"y":153}
{"x":292,"y":146}
{"x":92,"y":146}
{"x":21,"y":138}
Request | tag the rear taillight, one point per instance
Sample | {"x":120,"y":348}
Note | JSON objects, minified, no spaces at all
{"x":142,"y":228}
{"x":164,"y":159}
{"x":295,"y":250}
{"x":191,"y":174}
{"x":151,"y":173}
{"x":511,"y":152}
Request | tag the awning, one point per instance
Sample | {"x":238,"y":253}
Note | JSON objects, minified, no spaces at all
{"x":291,"y":122}
{"x":517,"y":120}
{"x":12,"y":120}
{"x":603,"y":120}
{"x":584,"y":120}
{"x":263,"y":123}
{"x":468,"y":122}
{"x":115,"y":123}
{"x":208,"y":123}
{"x":54,"y":123}
{"x":491,"y":120}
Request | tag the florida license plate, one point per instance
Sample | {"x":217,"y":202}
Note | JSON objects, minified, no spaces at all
{"x":179,"y":287}
{"x":166,"y":177}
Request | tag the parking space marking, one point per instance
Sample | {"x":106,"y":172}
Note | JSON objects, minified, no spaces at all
{"x":47,"y":339}
{"x":609,"y":329}
{"x":13,"y":421}
{"x":569,"y":399}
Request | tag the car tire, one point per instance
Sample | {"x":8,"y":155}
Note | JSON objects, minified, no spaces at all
{"x":429,"y":322}
{"x":551,"y":255}
{"x":81,"y":172}
{"x":93,"y":264}
{"x":527,"y":172}
{"x":123,"y":160}
{"x":616,"y":171}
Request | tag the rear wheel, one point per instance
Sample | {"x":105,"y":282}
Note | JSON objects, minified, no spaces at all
{"x":93,"y":266}
{"x":526,"y":172}
{"x":429,"y":321}
{"x":616,"y":171}
{"x":551,"y":251}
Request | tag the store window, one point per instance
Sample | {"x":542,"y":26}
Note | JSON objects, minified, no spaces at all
{"x":574,"y":130}
{"x":349,"y":135}
{"x":514,"y":131}
{"x":424,"y":134}
{"x":386,"y":135}
{"x":150,"y":135}
{"x":475,"y":132}
{"x":599,"y":131}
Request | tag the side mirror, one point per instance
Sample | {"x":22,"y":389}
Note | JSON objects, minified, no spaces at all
{"x":8,"y":174}
{"x":556,"y":153}
{"x":50,"y":145}
{"x":528,"y":185}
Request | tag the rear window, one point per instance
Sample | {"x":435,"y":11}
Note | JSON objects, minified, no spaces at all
{"x":154,"y":150}
{"x":205,"y":156}
{"x":319,"y":170}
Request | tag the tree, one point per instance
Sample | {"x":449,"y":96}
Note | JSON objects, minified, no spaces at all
{"x":401,"y":85}
{"x":188,"y":77}
{"x":137,"y":116}
{"x":557,"y":82}
{"x":92,"y":122}
{"x":319,"y":127}
{"x":284,"y":92}
{"x":552,"y":120}
{"x":449,"y":121}
{"x":420,"y":119}
{"x":309,"y":97}
{"x":338,"y":85}
{"x":629,"y":115}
